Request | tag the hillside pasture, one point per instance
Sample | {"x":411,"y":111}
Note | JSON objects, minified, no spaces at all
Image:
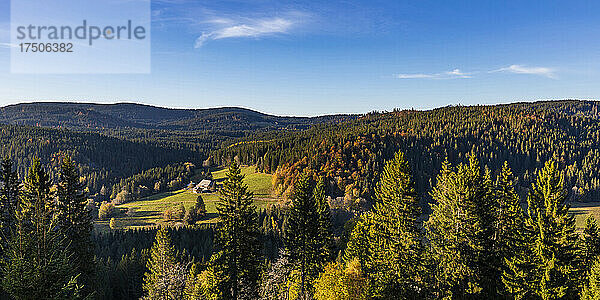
{"x":149,"y":211}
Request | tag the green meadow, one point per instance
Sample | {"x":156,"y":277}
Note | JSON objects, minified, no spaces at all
{"x":149,"y":211}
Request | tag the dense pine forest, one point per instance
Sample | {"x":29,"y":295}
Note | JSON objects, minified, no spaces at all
{"x":351,"y":154}
{"x":452,"y":203}
{"x":101,"y":159}
{"x":116,"y":141}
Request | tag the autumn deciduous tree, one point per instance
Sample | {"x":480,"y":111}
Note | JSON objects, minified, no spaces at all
{"x":342,"y":281}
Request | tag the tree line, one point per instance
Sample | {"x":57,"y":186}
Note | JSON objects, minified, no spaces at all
{"x":479,"y":242}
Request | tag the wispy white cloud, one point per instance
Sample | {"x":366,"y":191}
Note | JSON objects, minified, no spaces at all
{"x":521,"y":69}
{"x":250,"y":28}
{"x":414,"y":76}
{"x":457,"y":73}
{"x":454,"y":74}
{"x":8,"y":45}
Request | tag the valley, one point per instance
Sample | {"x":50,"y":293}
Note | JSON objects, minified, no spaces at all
{"x":148,"y":211}
{"x":139,"y":172}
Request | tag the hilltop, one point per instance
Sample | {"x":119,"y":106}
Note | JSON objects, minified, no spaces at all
{"x":90,"y":116}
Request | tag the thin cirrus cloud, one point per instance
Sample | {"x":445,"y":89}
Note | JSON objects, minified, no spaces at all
{"x":458,"y":74}
{"x":521,"y":69}
{"x":250,"y":28}
{"x":8,"y":45}
{"x":454,"y":74}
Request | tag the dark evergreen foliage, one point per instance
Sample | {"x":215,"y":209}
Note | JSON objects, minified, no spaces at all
{"x":549,"y":265}
{"x":237,"y":261}
{"x":459,"y":231}
{"x":590,"y":245}
{"x":74,"y":221}
{"x":477,"y":242}
{"x":388,"y":241}
{"x":37,"y":265}
{"x":308,"y":233}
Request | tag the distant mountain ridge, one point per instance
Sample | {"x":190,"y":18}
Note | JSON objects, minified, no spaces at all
{"x":86,"y":116}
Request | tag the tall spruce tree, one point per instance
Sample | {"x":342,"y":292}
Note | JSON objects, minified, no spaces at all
{"x":460,"y":231}
{"x":73,"y":219}
{"x":37,"y":265}
{"x":166,"y":277}
{"x":509,"y":222}
{"x":391,"y":233}
{"x":306,"y":250}
{"x":509,"y":214}
{"x":591,"y":288}
{"x":590,"y":243}
{"x":549,"y":264}
{"x":325,"y":224}
{"x":9,"y":201}
{"x":237,"y":262}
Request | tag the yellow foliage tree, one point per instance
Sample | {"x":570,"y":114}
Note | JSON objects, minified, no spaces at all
{"x":342,"y":281}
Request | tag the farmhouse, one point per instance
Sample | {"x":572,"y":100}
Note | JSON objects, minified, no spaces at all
{"x":205,"y":186}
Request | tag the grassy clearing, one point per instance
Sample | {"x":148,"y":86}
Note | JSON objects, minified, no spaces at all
{"x":149,"y":210}
{"x":583,"y":210}
{"x":258,"y":183}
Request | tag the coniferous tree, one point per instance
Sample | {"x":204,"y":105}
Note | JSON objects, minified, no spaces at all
{"x":200,"y":206}
{"x":393,"y":258}
{"x":459,"y":232}
{"x":166,"y":277}
{"x":591,"y":289}
{"x":509,"y":216}
{"x":38,"y":266}
{"x":73,"y":219}
{"x":548,"y":266}
{"x":590,"y":243}
{"x":9,"y":201}
{"x":305,"y":239}
{"x":358,"y":246}
{"x":237,"y":263}
{"x":193,"y":286}
{"x":508,"y":235}
{"x":325,"y":225}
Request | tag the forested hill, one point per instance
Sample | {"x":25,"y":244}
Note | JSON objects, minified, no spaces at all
{"x":110,"y":142}
{"x":84,"y":116}
{"x":198,"y":130}
{"x":351,"y":154}
{"x":102,"y":160}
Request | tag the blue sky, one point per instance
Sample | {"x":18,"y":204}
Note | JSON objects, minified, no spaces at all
{"x":321,"y":57}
